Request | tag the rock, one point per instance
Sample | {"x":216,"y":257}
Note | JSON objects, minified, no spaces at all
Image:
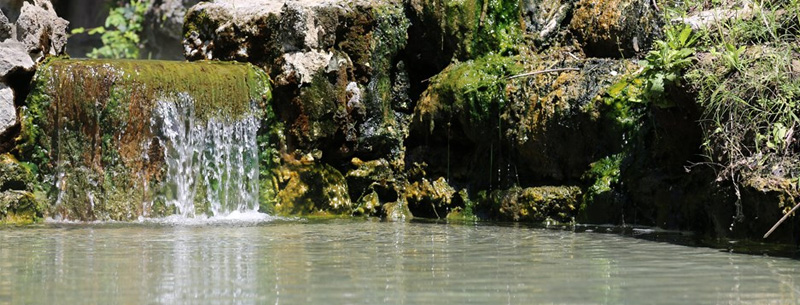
{"x":15,"y":59}
{"x":103,"y":140}
{"x":536,"y":204}
{"x":335,"y":67}
{"x":429,"y":199}
{"x":163,"y":28}
{"x":14,"y":176}
{"x":5,"y":27}
{"x":312,"y":189}
{"x":465,"y":29}
{"x":494,"y":131}
{"x":616,"y":28}
{"x":41,"y":30}
{"x":544,"y":18}
{"x":8,"y":114}
{"x":19,"y":207}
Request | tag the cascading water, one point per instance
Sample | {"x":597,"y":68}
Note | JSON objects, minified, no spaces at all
{"x":212,"y":163}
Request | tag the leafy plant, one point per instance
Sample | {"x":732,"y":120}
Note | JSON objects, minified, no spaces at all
{"x":120,"y":34}
{"x":731,"y":56}
{"x":664,"y":66}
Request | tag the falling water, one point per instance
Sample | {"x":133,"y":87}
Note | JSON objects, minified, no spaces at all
{"x":213,"y":162}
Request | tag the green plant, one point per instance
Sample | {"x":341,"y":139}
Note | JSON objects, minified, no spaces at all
{"x":731,"y":56}
{"x":664,"y":66}
{"x":120,"y":34}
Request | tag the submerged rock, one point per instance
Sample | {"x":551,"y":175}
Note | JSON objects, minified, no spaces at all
{"x":311,"y":189}
{"x":537,"y":204}
{"x":103,"y":133}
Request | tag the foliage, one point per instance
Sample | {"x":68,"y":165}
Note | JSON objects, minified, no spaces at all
{"x":604,"y":175}
{"x":120,"y":34}
{"x":664,"y":66}
{"x":748,"y":87}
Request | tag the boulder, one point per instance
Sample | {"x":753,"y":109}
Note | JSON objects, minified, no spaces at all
{"x":163,"y":28}
{"x":8,"y":115}
{"x":41,"y":30}
{"x":15,"y":59}
{"x":496,"y":130}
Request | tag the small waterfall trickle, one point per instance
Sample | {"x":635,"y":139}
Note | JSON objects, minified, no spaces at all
{"x":211,"y":163}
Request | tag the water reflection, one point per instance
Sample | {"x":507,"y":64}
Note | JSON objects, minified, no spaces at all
{"x":342,"y":262}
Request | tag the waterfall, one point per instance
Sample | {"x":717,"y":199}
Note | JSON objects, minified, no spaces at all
{"x":211,"y":163}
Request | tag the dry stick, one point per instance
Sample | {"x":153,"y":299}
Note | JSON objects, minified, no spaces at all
{"x":782,"y":220}
{"x":542,"y":72}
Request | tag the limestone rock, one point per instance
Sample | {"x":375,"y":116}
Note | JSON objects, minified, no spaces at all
{"x":335,"y":66}
{"x":8,"y":116}
{"x":5,"y":27}
{"x":41,"y":30}
{"x":14,"y":59}
{"x":163,"y":28}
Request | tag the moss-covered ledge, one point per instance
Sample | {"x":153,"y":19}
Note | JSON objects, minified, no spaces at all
{"x":88,"y":128}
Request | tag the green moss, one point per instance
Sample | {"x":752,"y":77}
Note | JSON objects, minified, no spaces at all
{"x":87,"y":128}
{"x":474,"y":28}
{"x":465,"y":213}
{"x":473,"y":91}
{"x":312,"y":189}
{"x":536,"y":204}
{"x":19,"y":208}
{"x":197,"y":21}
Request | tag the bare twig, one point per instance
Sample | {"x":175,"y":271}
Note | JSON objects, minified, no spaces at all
{"x":542,"y":72}
{"x":782,"y":220}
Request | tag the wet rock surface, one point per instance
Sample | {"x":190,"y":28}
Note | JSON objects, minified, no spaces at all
{"x":106,"y":160}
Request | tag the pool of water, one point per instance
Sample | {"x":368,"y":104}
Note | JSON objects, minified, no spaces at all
{"x":268,"y":261}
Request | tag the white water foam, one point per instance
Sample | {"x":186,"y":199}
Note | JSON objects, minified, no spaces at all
{"x":213,"y":162}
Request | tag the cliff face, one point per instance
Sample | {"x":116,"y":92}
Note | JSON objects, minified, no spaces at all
{"x":510,"y":110}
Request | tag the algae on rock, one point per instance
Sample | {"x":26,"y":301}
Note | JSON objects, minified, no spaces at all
{"x":87,"y":127}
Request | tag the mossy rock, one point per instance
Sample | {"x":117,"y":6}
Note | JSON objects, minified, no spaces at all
{"x":88,"y":128}
{"x":536,"y":204}
{"x":470,"y":93}
{"x":311,"y":190}
{"x":469,"y":29}
{"x":371,"y":183}
{"x":15,"y":175}
{"x":616,"y":28}
{"x":19,"y":207}
{"x":429,"y":199}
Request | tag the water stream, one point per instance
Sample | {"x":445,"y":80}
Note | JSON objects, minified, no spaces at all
{"x":213,"y":162}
